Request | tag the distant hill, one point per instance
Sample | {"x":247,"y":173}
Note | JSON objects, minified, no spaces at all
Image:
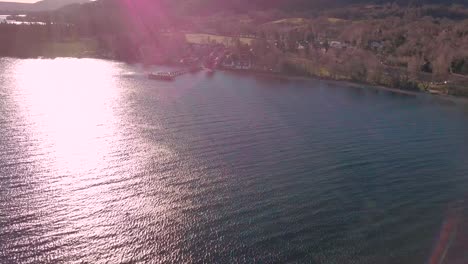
{"x":44,"y":5}
{"x":245,"y":5}
{"x":212,"y":6}
{"x":8,"y":7}
{"x":209,"y":6}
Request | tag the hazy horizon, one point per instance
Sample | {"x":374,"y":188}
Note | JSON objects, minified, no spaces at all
{"x":19,"y":1}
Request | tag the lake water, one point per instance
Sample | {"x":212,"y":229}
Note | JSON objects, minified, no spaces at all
{"x":98,"y":164}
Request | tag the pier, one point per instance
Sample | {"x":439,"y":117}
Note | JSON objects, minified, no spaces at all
{"x":171,"y":75}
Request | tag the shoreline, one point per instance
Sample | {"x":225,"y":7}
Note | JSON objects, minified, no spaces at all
{"x":460,"y":99}
{"x":348,"y":83}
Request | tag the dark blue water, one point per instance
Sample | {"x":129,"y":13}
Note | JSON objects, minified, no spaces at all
{"x":98,"y":164}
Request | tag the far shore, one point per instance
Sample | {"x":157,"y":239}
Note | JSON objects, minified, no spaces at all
{"x":348,"y":83}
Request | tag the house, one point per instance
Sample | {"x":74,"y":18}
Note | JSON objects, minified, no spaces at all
{"x":242,"y":63}
{"x":376,"y":45}
{"x":246,"y":65}
{"x":302,"y":45}
{"x":337,"y":44}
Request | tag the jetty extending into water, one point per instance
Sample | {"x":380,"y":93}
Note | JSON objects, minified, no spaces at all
{"x":171,"y":75}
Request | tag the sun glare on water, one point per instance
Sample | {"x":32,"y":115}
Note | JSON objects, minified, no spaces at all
{"x":70,"y":101}
{"x":82,"y":151}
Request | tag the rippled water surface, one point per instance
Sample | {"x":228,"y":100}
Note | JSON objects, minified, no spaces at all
{"x":98,"y":164}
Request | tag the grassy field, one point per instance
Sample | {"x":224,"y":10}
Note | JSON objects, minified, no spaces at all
{"x":207,"y":38}
{"x":334,"y":20}
{"x":289,"y":23}
{"x":292,"y":21}
{"x":302,"y":21}
{"x":69,"y":48}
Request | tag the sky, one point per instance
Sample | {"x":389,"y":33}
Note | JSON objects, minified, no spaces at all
{"x":20,"y":1}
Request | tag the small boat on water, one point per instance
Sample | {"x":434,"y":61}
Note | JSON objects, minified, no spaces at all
{"x":210,"y":71}
{"x":210,"y":66}
{"x":436,"y":92}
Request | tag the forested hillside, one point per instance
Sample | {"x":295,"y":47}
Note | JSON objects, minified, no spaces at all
{"x":415,"y":46}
